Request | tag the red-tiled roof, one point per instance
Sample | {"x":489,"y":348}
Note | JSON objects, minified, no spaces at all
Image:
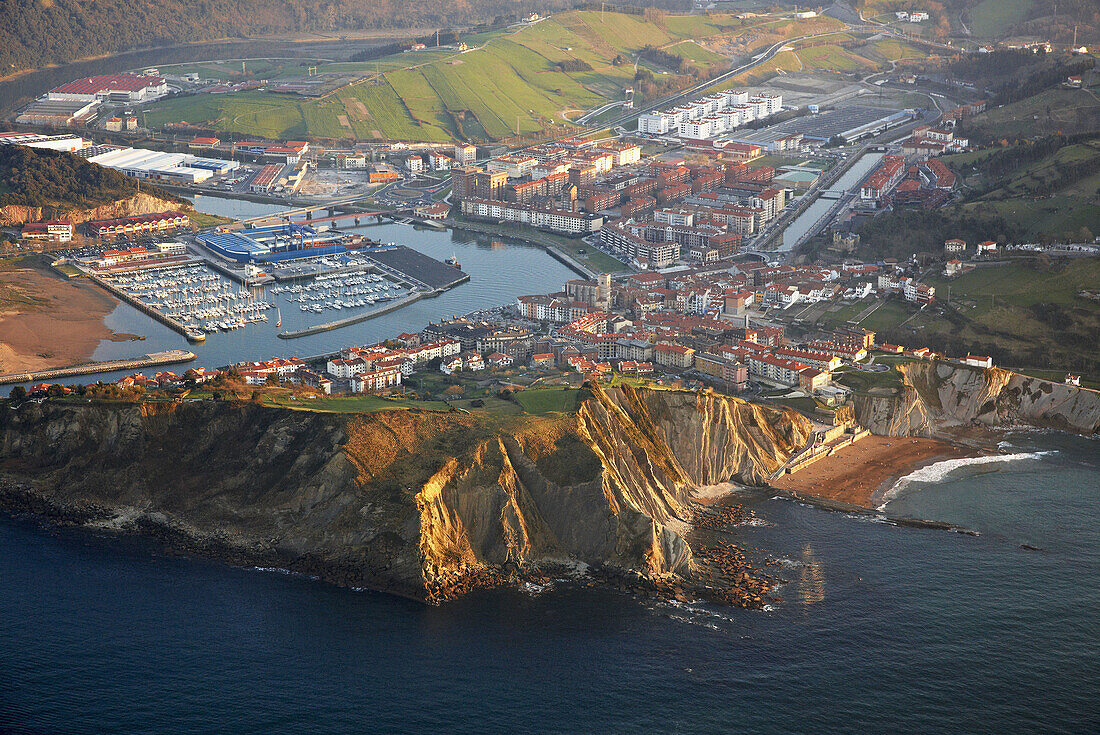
{"x":111,"y":82}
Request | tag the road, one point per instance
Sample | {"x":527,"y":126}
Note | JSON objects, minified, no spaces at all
{"x":694,"y":90}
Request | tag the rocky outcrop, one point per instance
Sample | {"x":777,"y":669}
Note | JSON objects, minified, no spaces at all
{"x":422,"y":504}
{"x":939,"y":395}
{"x":139,"y":203}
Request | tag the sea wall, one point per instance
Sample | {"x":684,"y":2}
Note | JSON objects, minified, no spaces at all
{"x":425,"y":505}
{"x":939,"y":395}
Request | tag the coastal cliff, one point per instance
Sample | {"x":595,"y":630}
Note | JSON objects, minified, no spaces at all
{"x":140,"y":203}
{"x":422,"y":504}
{"x":935,"y":396}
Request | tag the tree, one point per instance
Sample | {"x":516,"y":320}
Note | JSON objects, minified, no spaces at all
{"x":18,"y":393}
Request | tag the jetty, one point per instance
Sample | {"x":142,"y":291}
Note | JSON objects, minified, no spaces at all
{"x":328,"y":326}
{"x":168,"y":357}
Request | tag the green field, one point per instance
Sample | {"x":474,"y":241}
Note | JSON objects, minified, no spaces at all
{"x":506,"y":82}
{"x":548,"y":400}
{"x":1027,"y":315}
{"x":995,"y":18}
{"x":352,"y":404}
{"x":891,"y":49}
{"x":1065,"y":111}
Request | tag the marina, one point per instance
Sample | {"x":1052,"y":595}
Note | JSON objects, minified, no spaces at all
{"x":197,"y":300}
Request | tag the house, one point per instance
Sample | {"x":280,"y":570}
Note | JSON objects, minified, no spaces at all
{"x":895,"y":349}
{"x":954,"y":246}
{"x":987,"y":247}
{"x":812,"y":379}
{"x":953,"y":268}
{"x":346,"y":368}
{"x":979,"y":361}
{"x":472,"y":361}
{"x":314,"y":380}
{"x":1073,"y":379}
{"x":451,"y":365}
{"x":542,"y":360}
{"x":499,"y":360}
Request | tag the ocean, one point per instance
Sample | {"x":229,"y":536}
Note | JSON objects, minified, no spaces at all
{"x":881,"y":629}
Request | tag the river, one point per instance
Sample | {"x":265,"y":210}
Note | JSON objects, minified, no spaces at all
{"x":902,"y":630}
{"x":817,"y":210}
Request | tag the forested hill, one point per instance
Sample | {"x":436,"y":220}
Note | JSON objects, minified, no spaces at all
{"x":39,"y":32}
{"x":41,"y":178}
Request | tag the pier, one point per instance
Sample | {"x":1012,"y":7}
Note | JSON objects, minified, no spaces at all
{"x":191,"y":335}
{"x":329,"y":326}
{"x":168,"y":357}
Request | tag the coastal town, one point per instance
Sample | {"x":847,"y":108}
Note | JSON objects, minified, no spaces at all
{"x":356,"y":357}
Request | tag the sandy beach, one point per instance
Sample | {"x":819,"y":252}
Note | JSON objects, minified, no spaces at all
{"x":47,"y":321}
{"x":859,"y":474}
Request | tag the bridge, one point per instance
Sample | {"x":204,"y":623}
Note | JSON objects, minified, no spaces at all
{"x":307,"y":212}
{"x":354,"y":217}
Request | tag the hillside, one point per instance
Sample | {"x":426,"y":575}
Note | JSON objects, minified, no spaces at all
{"x":37,"y":33}
{"x":529,"y":78}
{"x":32,"y":177}
{"x":1047,"y":190}
{"x":991,"y":20}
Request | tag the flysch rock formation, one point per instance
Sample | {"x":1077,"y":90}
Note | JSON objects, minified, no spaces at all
{"x":422,"y":504}
{"x":939,"y":395}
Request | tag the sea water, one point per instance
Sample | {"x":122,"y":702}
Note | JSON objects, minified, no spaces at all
{"x":880,"y":629}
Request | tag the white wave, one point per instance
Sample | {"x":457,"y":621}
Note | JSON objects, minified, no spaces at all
{"x":788,"y":563}
{"x":939,"y":471}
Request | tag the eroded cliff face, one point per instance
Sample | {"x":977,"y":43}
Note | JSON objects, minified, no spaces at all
{"x":938,"y":396}
{"x":421,"y":504}
{"x":138,"y":204}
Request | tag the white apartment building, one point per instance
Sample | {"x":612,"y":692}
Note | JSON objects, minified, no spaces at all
{"x":695,"y":129}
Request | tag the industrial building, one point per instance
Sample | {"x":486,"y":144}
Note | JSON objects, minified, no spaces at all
{"x":275,"y":243}
{"x":65,"y":143}
{"x":169,"y":168}
{"x":58,"y":113}
{"x":850,"y":123}
{"x":122,"y":88}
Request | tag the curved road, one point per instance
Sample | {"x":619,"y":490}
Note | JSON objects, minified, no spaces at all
{"x":693,"y":91}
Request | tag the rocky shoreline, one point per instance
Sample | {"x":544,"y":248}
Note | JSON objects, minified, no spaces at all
{"x":731,"y":579}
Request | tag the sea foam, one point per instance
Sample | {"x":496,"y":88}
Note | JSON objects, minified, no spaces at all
{"x":939,"y":471}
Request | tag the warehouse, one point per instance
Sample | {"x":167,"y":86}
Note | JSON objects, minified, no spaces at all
{"x":850,"y":123}
{"x":124,"y":88}
{"x":66,"y":143}
{"x":58,"y":113}
{"x":171,"y":168}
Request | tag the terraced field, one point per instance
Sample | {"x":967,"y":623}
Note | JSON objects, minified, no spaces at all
{"x":506,"y":82}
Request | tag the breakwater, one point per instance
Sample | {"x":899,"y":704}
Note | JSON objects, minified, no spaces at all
{"x":167,"y":357}
{"x":328,"y":326}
